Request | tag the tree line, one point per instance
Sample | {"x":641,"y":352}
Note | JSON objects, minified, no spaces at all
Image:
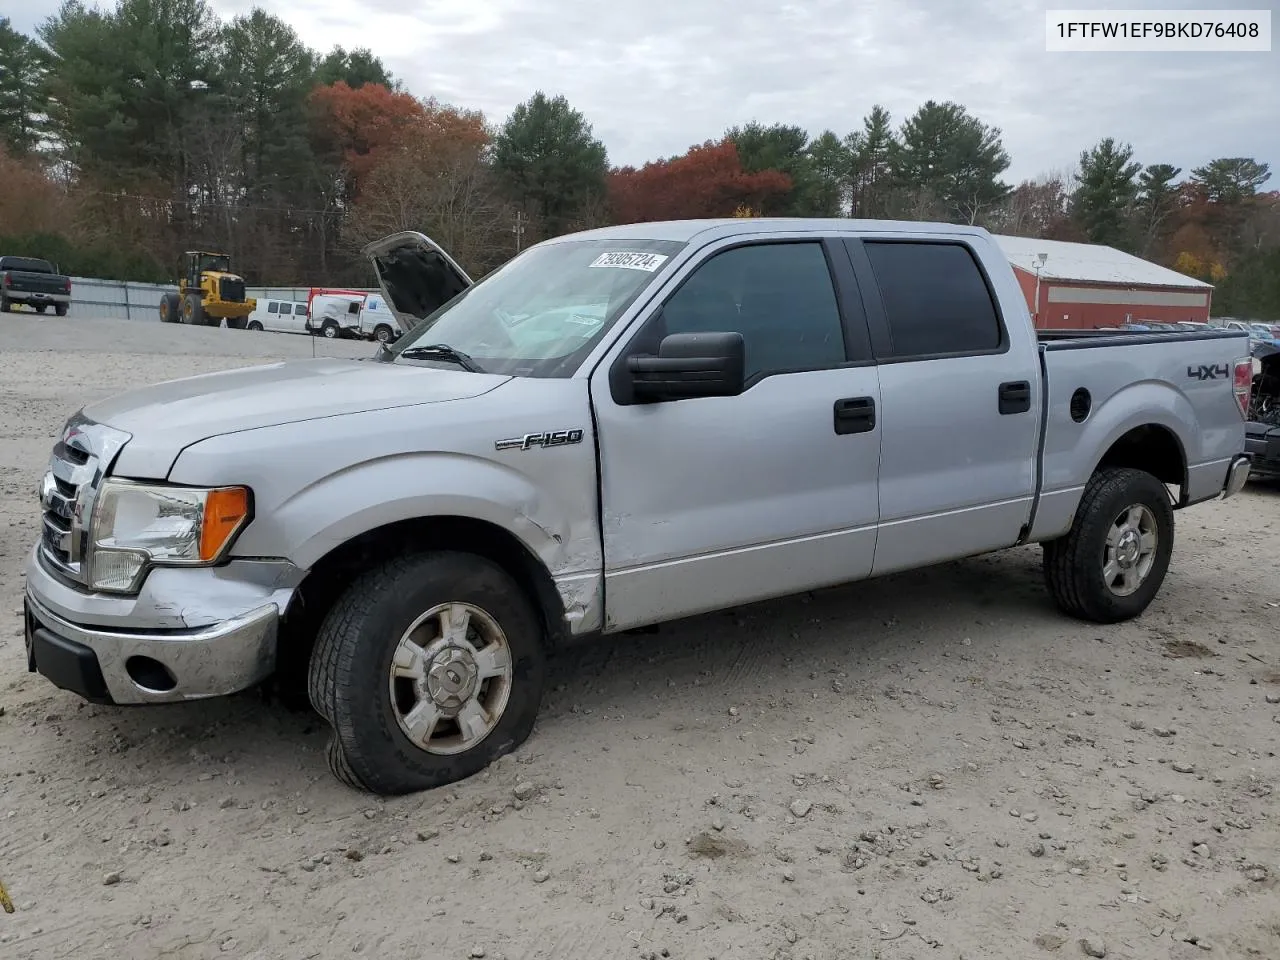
{"x":129,"y":135}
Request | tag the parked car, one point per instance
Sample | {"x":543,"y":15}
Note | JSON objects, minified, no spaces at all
{"x":1257,"y":331}
{"x":280,"y":316}
{"x":615,"y":429}
{"x":34,"y":282}
{"x":335,"y":315}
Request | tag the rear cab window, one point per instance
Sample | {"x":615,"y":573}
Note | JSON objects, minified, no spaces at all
{"x":936,"y":299}
{"x":26,"y":265}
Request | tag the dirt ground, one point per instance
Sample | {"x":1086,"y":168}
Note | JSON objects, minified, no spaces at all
{"x":937,"y":764}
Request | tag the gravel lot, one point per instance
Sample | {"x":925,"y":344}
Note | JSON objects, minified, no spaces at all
{"x":937,"y":764}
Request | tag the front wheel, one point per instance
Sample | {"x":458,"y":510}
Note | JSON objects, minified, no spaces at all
{"x":382,"y":333}
{"x":1111,"y":564}
{"x":429,"y":668}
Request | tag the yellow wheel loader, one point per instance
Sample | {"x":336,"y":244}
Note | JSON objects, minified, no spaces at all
{"x":208,"y":293}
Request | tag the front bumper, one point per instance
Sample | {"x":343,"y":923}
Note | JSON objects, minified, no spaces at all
{"x":190,"y":634}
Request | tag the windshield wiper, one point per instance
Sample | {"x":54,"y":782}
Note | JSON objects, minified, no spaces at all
{"x":442,"y":351}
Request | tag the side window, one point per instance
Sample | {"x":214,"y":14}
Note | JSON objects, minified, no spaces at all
{"x":779,"y":296}
{"x":935,"y":298}
{"x":299,"y":309}
{"x":273,"y":307}
{"x":353,"y":307}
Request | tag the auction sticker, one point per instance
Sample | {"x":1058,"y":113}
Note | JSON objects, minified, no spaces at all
{"x":648,"y":262}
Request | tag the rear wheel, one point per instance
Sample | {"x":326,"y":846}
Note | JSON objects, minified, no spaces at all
{"x":5,"y":305}
{"x":382,"y":333}
{"x":1111,"y":564}
{"x":330,"y":330}
{"x":193,"y":310}
{"x":429,"y":668}
{"x":40,"y":307}
{"x":60,"y":309}
{"x":237,"y":323}
{"x":170,"y":308}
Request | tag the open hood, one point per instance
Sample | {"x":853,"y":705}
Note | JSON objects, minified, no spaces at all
{"x":416,"y":275}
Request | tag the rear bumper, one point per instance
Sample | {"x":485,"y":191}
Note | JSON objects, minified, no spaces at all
{"x":1237,"y":476}
{"x":27,"y":296}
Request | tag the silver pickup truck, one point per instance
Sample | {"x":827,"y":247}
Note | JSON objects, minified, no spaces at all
{"x":617,"y":428}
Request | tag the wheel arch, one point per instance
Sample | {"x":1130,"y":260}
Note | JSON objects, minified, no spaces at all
{"x":1152,"y":447}
{"x":328,"y":576}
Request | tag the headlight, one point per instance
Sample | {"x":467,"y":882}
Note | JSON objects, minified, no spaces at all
{"x":138,"y":525}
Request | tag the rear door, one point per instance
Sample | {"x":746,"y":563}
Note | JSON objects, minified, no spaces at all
{"x":713,"y":501}
{"x":959,"y":399}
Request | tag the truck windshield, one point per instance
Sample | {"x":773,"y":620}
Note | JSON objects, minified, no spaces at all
{"x":540,"y":314}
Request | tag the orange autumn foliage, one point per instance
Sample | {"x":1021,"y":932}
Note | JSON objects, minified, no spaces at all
{"x":362,"y":124}
{"x":707,"y":181}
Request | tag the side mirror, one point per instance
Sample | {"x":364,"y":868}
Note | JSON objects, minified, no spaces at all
{"x":690,"y":365}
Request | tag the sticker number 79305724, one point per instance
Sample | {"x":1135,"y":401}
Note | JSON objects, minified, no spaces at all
{"x":648,"y":262}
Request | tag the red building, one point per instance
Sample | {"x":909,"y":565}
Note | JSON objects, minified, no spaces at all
{"x":1082,"y":286}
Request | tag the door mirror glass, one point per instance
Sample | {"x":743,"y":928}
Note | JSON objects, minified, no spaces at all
{"x":690,"y":365}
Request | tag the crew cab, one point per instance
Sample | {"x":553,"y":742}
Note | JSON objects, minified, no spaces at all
{"x":617,"y":428}
{"x":34,"y":282}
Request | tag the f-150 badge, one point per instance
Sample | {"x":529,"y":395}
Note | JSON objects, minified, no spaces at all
{"x":550,"y":438}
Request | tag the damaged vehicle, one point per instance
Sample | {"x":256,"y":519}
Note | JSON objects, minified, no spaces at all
{"x":616,"y":429}
{"x":1262,"y":432}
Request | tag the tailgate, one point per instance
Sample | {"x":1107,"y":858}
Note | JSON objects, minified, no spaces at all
{"x":22,"y":282}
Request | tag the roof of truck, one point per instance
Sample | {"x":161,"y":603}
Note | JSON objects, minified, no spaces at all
{"x":685,"y":230}
{"x":1091,"y":263}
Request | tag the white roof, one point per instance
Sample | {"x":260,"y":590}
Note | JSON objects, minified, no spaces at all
{"x":1090,"y":263}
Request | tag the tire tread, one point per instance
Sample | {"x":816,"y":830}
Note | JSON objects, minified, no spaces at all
{"x":1069,"y":560}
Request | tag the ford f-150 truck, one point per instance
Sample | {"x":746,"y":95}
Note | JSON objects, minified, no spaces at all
{"x":36,"y":283}
{"x":617,"y":428}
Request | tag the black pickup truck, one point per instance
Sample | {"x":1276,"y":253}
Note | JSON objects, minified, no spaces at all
{"x":34,"y":282}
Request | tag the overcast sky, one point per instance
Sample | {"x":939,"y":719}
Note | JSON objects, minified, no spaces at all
{"x":654,"y":77}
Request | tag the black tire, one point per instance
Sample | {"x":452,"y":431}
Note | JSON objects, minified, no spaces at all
{"x":41,"y":307}
{"x":330,"y":330}
{"x":1074,"y":564}
{"x":61,"y":309}
{"x":170,"y":308}
{"x":193,"y":310}
{"x":237,"y":323}
{"x":5,"y":305}
{"x":349,"y":673}
{"x":382,"y":333}
{"x":255,"y":325}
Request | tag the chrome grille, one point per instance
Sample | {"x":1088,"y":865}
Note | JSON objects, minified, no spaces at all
{"x":81,"y":458}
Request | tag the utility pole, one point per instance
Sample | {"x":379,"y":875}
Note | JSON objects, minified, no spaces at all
{"x":518,"y":229}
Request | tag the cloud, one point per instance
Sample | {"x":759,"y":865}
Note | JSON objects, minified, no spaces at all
{"x":656,"y":77}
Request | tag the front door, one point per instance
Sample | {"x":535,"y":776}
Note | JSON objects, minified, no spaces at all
{"x":713,"y":501}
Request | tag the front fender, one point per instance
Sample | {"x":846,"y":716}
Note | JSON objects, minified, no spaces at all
{"x":336,"y":508}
